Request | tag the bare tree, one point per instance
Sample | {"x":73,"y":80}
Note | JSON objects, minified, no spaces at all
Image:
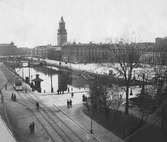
{"x":127,"y":56}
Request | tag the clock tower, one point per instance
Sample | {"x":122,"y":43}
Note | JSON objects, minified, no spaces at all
{"x":62,"y":33}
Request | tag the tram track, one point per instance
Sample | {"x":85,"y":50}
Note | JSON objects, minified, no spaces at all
{"x":59,"y":126}
{"x":63,"y":115}
{"x":48,"y":127}
{"x":76,"y":137}
{"x":53,"y":112}
{"x":64,"y":138}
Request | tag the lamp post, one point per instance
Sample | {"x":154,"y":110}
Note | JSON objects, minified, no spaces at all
{"x":29,"y":71}
{"x":91,"y":124}
{"x":91,"y":115}
{"x":51,"y":81}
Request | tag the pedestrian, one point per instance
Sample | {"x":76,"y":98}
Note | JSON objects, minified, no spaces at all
{"x":72,"y":95}
{"x":33,"y":127}
{"x":68,"y":90}
{"x":70,"y":103}
{"x":67,"y":103}
{"x":131,"y":93}
{"x":37,"y":105}
{"x":83,"y":97}
{"x":30,"y":128}
{"x":14,"y":97}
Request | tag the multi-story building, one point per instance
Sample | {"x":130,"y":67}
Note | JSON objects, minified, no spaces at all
{"x":62,"y":33}
{"x":8,"y":49}
{"x":40,"y":51}
{"x":47,"y":51}
{"x":54,"y":53}
{"x":161,"y":49}
{"x":85,"y":53}
{"x":89,"y":52}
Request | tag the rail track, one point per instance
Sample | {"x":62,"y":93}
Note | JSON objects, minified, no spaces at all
{"x":51,"y":122}
{"x":65,"y":116}
{"x":57,"y":130}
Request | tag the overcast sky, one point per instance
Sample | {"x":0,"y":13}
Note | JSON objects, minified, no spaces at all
{"x":35,"y":22}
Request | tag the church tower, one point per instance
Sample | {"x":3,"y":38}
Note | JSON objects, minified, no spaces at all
{"x":62,"y":33}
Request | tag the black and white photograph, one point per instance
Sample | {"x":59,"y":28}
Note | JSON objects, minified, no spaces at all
{"x":83,"y":71}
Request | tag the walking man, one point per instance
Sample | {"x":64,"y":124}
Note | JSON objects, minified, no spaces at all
{"x":37,"y":105}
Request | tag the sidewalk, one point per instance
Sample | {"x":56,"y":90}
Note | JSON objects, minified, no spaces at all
{"x":77,"y":114}
{"x":19,"y":117}
{"x":5,"y":133}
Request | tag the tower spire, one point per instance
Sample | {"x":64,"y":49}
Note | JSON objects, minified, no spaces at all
{"x":62,"y":33}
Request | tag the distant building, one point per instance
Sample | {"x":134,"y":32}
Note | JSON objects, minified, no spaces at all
{"x":47,"y":51}
{"x":24,"y":51}
{"x":161,"y":49}
{"x":147,"y":52}
{"x":89,"y":52}
{"x":8,"y":49}
{"x":85,"y":53}
{"x":62,"y":33}
{"x":54,"y":53}
{"x":40,"y":51}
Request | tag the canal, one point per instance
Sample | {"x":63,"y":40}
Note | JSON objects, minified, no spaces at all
{"x":64,"y":80}
{"x":61,"y":80}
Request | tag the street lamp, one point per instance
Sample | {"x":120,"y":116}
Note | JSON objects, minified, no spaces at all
{"x":91,"y":124}
{"x":51,"y":81}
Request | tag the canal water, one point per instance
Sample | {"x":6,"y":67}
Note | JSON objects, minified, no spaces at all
{"x":65,"y":80}
{"x":62,"y":80}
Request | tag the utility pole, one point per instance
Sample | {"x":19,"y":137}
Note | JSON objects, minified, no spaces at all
{"x":51,"y":81}
{"x":29,"y":71}
{"x":91,"y":123}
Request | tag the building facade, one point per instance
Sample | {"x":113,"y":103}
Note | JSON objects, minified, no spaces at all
{"x":86,"y":53}
{"x":161,"y":49}
{"x":40,"y":51}
{"x":62,"y":33}
{"x":8,"y":49}
{"x":47,"y":51}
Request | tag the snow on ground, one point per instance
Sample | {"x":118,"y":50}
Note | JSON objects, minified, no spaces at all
{"x":104,"y":68}
{"x":61,"y":100}
{"x":101,"y":68}
{"x":120,"y":91}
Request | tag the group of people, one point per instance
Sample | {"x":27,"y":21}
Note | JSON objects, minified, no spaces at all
{"x":60,"y":91}
{"x":32,"y":127}
{"x":13,"y":97}
{"x":69,"y":103}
